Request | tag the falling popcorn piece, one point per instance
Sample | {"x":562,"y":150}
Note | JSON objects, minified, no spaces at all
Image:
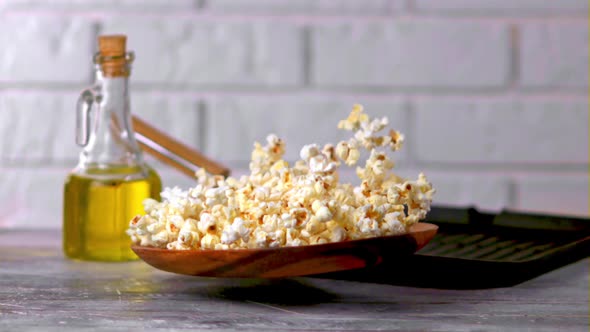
{"x":281,"y":205}
{"x":355,"y":119}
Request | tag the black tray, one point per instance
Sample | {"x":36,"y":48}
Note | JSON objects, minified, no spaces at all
{"x":483,"y":250}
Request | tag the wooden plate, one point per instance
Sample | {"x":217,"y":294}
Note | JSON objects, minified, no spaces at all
{"x":287,"y":261}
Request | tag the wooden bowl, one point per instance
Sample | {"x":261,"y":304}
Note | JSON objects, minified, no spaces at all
{"x":287,"y":261}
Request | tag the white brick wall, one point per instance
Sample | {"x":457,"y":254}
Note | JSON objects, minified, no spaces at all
{"x":554,"y":55}
{"x":30,"y":197}
{"x":52,"y":50}
{"x":502,"y":131}
{"x":184,"y":52}
{"x":132,"y":6}
{"x":324,"y":7}
{"x":491,"y":95}
{"x":554,"y":194}
{"x":522,"y":7}
{"x":417,"y":53}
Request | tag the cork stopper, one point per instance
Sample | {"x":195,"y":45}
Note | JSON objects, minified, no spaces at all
{"x":113,"y":58}
{"x":112,"y":45}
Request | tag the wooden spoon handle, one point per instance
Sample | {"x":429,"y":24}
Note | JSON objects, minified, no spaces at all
{"x":173,"y":152}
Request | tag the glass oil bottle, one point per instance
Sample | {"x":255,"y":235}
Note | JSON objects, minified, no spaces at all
{"x":107,"y":188}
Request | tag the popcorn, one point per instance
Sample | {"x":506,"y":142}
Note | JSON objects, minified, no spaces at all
{"x":209,"y":241}
{"x":322,"y":165}
{"x":234,"y":232}
{"x":160,"y":239}
{"x":354,"y":120}
{"x":282,"y":205}
{"x":337,"y":234}
{"x":149,"y":205}
{"x":189,"y":234}
{"x":260,"y":238}
{"x":207,"y":224}
{"x":349,"y":153}
{"x":323,"y":214}
{"x":369,"y":226}
{"x":392,"y":223}
{"x":314,"y":226}
{"x":174,"y":223}
{"x":309,"y":151}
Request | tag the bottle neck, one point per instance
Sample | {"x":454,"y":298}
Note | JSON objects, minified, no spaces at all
{"x":111,"y":143}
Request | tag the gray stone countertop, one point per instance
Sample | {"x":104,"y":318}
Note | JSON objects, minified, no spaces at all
{"x":41,"y":290}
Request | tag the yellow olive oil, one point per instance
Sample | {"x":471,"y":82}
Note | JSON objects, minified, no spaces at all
{"x":97,"y":209}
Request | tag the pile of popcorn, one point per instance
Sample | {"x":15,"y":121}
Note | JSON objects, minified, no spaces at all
{"x":283,"y":205}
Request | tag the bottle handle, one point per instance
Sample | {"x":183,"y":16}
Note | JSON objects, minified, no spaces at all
{"x":83,"y":110}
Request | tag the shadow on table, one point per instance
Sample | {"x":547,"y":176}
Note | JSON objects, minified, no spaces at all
{"x":272,"y":291}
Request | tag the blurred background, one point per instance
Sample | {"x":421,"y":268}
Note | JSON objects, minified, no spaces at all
{"x":492,"y":95}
